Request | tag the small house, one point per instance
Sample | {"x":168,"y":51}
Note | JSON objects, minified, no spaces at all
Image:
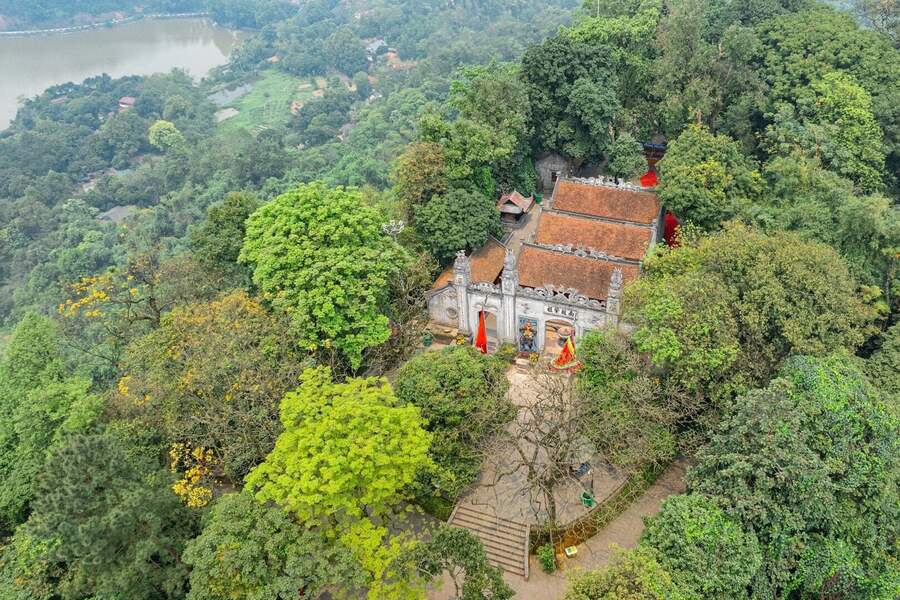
{"x":126,"y":102}
{"x":513,"y":206}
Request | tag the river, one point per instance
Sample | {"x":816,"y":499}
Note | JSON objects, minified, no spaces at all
{"x":29,"y":65}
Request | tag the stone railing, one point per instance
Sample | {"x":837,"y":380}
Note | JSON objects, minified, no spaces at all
{"x":570,"y":297}
{"x":602,"y":181}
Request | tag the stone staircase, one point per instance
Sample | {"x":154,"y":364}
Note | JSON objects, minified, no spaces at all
{"x":505,"y":542}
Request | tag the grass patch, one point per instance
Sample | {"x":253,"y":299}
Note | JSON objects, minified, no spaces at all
{"x":269,"y":102}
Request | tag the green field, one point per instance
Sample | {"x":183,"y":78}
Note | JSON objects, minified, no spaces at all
{"x":269,"y":102}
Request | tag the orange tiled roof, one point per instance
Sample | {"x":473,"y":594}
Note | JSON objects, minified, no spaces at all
{"x":617,"y":239}
{"x":608,"y":202}
{"x":590,"y":276}
{"x":487,"y":263}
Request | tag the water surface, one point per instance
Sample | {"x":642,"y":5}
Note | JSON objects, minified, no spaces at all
{"x":29,"y":65}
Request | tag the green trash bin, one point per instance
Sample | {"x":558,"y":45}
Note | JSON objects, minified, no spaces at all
{"x":587,"y":499}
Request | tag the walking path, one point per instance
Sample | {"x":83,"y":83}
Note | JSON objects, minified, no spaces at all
{"x":624,"y":532}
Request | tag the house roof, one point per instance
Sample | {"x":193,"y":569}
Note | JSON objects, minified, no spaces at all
{"x":606,"y":201}
{"x":127,"y":100}
{"x":487,"y":263}
{"x":590,"y":276}
{"x":616,"y":239}
{"x":518,"y":200}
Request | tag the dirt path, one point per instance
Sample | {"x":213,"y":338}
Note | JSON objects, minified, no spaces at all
{"x":623,"y":531}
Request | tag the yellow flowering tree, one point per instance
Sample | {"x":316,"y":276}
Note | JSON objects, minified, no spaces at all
{"x":212,"y":376}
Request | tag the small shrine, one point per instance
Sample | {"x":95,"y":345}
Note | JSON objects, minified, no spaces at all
{"x":566,"y":278}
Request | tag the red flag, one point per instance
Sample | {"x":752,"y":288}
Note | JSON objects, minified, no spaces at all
{"x":481,"y":338}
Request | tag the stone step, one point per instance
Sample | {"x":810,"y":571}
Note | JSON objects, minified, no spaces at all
{"x":505,"y":541}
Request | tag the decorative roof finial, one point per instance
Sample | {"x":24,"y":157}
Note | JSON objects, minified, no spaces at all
{"x":615,"y":282}
{"x":509,"y":262}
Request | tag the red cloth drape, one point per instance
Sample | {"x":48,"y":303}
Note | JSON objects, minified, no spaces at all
{"x":481,"y":338}
{"x":670,"y":229}
{"x":566,"y":358}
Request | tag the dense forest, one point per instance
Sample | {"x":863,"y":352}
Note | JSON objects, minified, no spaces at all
{"x":212,"y":298}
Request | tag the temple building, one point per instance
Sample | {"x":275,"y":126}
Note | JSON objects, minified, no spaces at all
{"x":561,"y":273}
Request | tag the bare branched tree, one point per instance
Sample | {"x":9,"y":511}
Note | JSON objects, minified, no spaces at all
{"x":537,"y":453}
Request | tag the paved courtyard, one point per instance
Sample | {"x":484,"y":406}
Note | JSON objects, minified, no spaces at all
{"x":503,"y":490}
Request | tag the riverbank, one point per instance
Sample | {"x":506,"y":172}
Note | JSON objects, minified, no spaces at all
{"x":102,"y":24}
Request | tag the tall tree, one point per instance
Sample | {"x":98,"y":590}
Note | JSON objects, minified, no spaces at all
{"x":458,"y":220}
{"x":883,"y":368}
{"x":721,"y":314}
{"x":250,"y":550}
{"x":212,"y":376}
{"x":802,"y":47}
{"x":820,"y":205}
{"x":110,"y":522}
{"x":459,"y":553}
{"x":217,"y":241}
{"x":571,"y":87}
{"x":334,"y":282}
{"x":707,"y":554}
{"x":419,"y":174}
{"x":634,"y":575}
{"x":632,"y":414}
{"x":347,"y":451}
{"x":809,"y":464}
{"x":462,"y":396}
{"x":833,"y":123}
{"x":626,"y":157}
{"x":705,"y":178}
{"x":41,"y":405}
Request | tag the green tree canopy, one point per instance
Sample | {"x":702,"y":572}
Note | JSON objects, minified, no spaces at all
{"x":572,"y":87}
{"x":800,"y":48}
{"x":458,"y":220}
{"x":461,"y":554}
{"x":347,"y":450}
{"x":722,"y":313}
{"x":626,"y":157}
{"x":809,"y":464}
{"x":319,"y":255}
{"x":833,"y":121}
{"x":705,"y":178}
{"x":633,"y":575}
{"x":820,"y":205}
{"x":462,"y":396}
{"x":250,"y":550}
{"x":883,"y":368}
{"x":109,"y":523}
{"x":633,"y":414}
{"x":419,"y":174}
{"x":708,"y":555}
{"x":41,"y":405}
{"x":217,"y":241}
